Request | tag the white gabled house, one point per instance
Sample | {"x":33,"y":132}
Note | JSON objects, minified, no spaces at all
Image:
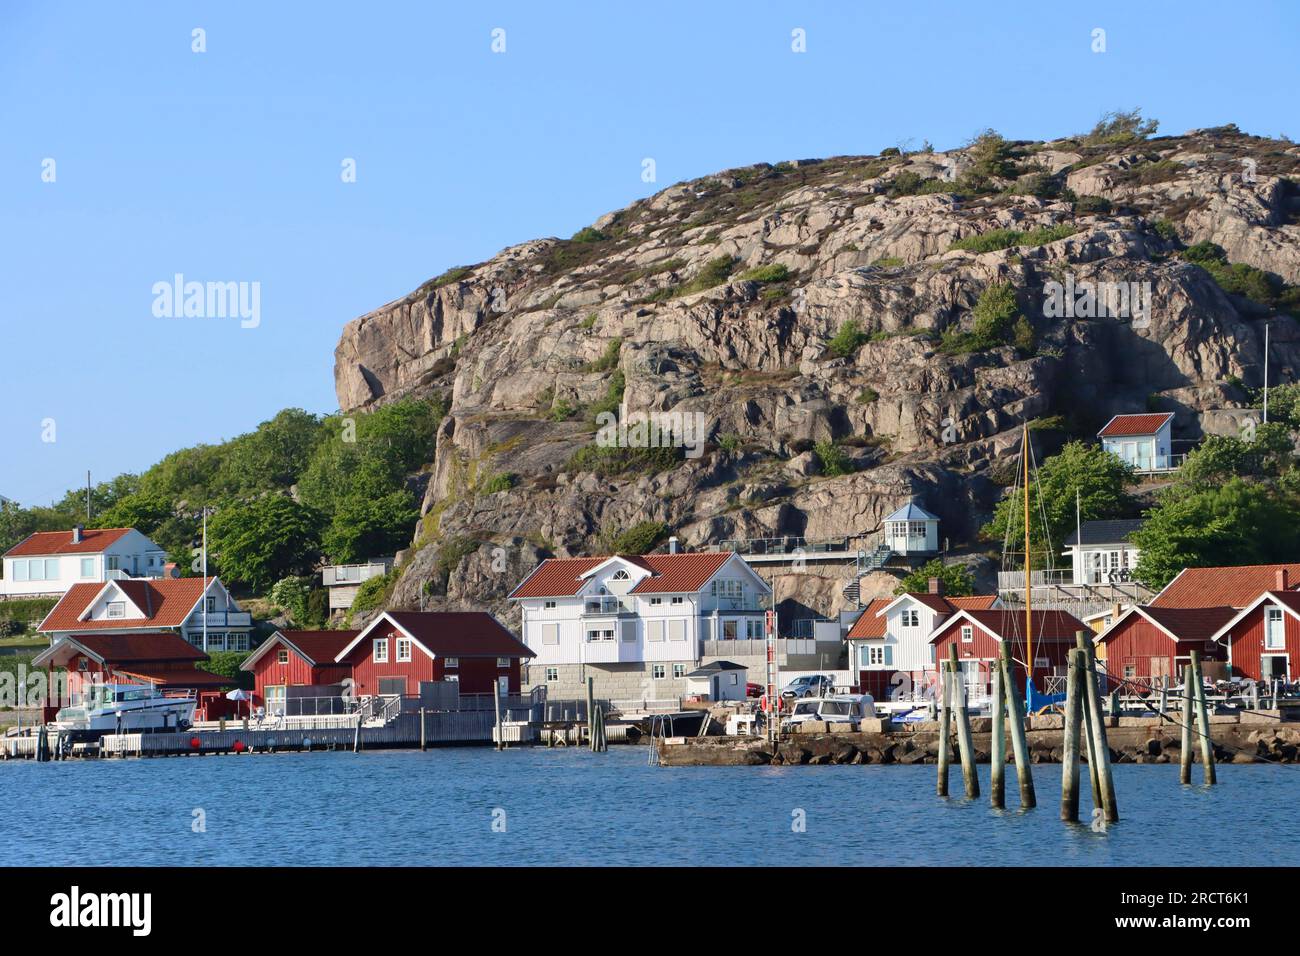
{"x":912,"y":530}
{"x":889,"y":644}
{"x":635,"y":623}
{"x":48,"y":563}
{"x":1100,"y":551}
{"x":200,"y":610}
{"x":1141,"y":441}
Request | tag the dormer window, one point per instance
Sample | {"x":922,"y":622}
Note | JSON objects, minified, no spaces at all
{"x":621,"y":575}
{"x":116,"y":609}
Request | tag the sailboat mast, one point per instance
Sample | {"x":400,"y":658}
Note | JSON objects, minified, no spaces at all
{"x":1029,"y":619}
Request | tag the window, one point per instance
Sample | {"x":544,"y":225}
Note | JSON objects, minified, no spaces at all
{"x":679,"y":670}
{"x":678,"y":599}
{"x":83,"y":664}
{"x":116,"y":609}
{"x":729,"y":630}
{"x":600,"y":634}
{"x":549,"y":605}
{"x":1130,"y":671}
{"x":677,"y":630}
{"x":654,"y":630}
{"x":20,"y":571}
{"x":239,"y":642}
{"x":550,"y":633}
{"x":876,"y":655}
{"x":967,"y":633}
{"x":381,"y":650}
{"x":621,"y":575}
{"x":658,"y":671}
{"x":212,"y":604}
{"x":552,"y":675}
{"x":452,"y":662}
{"x":282,"y":657}
{"x":87,"y":567}
{"x":503,"y":662}
{"x":727,"y":589}
{"x":403,"y":649}
{"x":655,"y":602}
{"x":1274,"y":632}
{"x":911,"y":618}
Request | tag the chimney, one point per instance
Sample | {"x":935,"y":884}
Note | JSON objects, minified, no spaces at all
{"x":672,"y":545}
{"x":76,"y":533}
{"x":936,"y":586}
{"x":1283,"y":579}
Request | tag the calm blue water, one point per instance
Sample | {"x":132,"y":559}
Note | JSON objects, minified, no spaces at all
{"x":572,"y":807}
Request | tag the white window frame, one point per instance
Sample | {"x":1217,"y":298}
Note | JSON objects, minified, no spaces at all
{"x":503,"y":662}
{"x":679,"y":671}
{"x":403,"y":650}
{"x":87,"y":567}
{"x":967,"y":634}
{"x":678,"y":599}
{"x":115,"y":610}
{"x":380,"y":651}
{"x":658,"y":671}
{"x":552,"y":675}
{"x":282,"y":656}
{"x":451,"y":662}
{"x":1274,"y":636}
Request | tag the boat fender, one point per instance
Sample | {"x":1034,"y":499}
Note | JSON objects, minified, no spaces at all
{"x":195,"y":743}
{"x":239,"y":747}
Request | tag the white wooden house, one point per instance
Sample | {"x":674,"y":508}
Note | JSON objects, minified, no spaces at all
{"x":912,"y":530}
{"x":1100,"y":552}
{"x":1141,"y":441}
{"x":889,"y":644}
{"x":48,"y":563}
{"x":634,"y":623}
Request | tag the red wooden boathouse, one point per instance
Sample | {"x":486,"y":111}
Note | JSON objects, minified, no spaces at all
{"x":1146,"y":645}
{"x":978,"y":636}
{"x":1263,"y":640}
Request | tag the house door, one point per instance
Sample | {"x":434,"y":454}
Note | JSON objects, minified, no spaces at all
{"x":1273,"y":666}
{"x":274,"y":696}
{"x":503,"y":685}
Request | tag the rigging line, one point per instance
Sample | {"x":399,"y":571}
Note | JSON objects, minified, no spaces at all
{"x":1199,"y":733}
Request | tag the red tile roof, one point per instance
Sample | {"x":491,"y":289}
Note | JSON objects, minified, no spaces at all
{"x":1223,"y":587}
{"x":1124,"y":425}
{"x":1054,"y":626}
{"x":1190,"y":623}
{"x":93,"y":541}
{"x":974,"y":602}
{"x":456,"y":634}
{"x":321,"y":647}
{"x":124,"y":649}
{"x":669,"y":573}
{"x":166,"y":602}
{"x":868,"y":626}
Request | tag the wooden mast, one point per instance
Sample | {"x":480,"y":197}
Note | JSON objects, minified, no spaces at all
{"x":1029,"y":620}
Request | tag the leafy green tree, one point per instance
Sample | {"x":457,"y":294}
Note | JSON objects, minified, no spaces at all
{"x":1220,"y":458}
{"x":1101,"y":482}
{"x":1238,"y":522}
{"x":258,"y":542}
{"x":272,"y":456}
{"x":365,"y":527}
{"x":956,"y":579}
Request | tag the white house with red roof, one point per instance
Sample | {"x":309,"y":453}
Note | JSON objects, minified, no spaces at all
{"x":635,"y":623}
{"x":48,"y":563}
{"x":889,"y":643}
{"x":1141,"y":441}
{"x":200,"y":610}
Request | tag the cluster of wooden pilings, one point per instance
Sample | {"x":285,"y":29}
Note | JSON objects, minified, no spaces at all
{"x":1084,"y":726}
{"x":1196,"y":711}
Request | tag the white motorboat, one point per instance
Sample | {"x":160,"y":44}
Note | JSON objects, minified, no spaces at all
{"x":125,"y":708}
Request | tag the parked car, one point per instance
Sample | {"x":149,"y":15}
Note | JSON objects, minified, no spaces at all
{"x":837,"y":709}
{"x":753,"y":690}
{"x":809,"y":685}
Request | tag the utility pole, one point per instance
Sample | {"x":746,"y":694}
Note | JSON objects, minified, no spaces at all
{"x":88,"y":475}
{"x":1265,"y":373}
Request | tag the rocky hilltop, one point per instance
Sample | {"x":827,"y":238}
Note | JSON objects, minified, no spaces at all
{"x":845,"y":300}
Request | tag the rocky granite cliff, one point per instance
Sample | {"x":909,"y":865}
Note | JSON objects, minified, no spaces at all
{"x":725,"y":296}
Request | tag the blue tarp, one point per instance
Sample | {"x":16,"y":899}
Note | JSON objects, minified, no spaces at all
{"x":1036,"y":701}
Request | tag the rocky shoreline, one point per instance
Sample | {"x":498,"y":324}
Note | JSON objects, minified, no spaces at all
{"x":1252,"y":738}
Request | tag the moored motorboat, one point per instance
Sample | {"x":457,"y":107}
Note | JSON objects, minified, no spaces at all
{"x":125,"y":708}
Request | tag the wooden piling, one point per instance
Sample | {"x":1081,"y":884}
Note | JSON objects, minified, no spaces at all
{"x":1019,"y":742}
{"x":591,"y":707}
{"x":969,"y":773}
{"x":998,"y":743}
{"x":945,"y":728}
{"x":1101,"y":744}
{"x":1203,"y":718}
{"x":1089,"y":730}
{"x":422,"y":730}
{"x":1185,"y":755}
{"x":496,"y":703}
{"x":1070,"y":739}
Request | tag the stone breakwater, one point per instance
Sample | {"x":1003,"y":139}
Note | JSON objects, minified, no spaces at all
{"x":1249,"y":738}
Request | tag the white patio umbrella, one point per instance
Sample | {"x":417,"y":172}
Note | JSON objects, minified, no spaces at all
{"x":239,"y":694}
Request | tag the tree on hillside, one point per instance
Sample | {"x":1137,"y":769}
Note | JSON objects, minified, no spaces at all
{"x":258,"y":542}
{"x":1101,"y":482}
{"x":364,"y":527}
{"x":1237,"y":522}
{"x":956,"y":579}
{"x":272,"y":456}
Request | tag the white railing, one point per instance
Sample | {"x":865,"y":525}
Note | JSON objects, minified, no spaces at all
{"x":604,"y":605}
{"x":354,"y":573}
{"x":221,"y":619}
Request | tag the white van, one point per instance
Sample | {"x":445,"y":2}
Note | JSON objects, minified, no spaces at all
{"x":840,"y":709}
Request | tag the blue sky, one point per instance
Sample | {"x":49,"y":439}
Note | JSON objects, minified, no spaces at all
{"x":225,"y":165}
